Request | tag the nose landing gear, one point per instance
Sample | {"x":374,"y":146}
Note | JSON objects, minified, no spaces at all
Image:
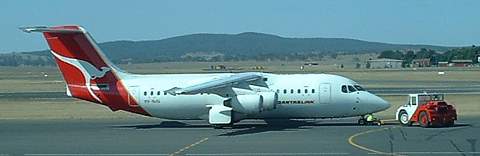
{"x":361,"y":120}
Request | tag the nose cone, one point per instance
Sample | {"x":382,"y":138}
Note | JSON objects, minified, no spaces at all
{"x":376,"y":104}
{"x":380,"y":104}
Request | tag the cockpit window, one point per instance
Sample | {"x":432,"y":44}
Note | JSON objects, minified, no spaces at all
{"x":359,"y":88}
{"x":351,"y":89}
{"x":344,"y":89}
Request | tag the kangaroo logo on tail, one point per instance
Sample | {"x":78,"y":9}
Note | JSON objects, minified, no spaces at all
{"x":97,"y":73}
{"x":89,"y":71}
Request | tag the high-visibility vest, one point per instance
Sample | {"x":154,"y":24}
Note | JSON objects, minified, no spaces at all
{"x":369,"y":118}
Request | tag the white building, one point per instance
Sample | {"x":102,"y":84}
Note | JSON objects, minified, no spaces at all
{"x":385,"y":63}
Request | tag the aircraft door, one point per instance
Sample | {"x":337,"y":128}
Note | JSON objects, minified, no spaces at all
{"x":134,"y":96}
{"x":325,"y":93}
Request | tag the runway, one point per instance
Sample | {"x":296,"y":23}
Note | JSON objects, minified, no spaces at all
{"x":146,"y":136}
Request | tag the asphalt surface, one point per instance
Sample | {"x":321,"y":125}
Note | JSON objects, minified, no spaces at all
{"x":148,"y":136}
{"x":138,"y":136}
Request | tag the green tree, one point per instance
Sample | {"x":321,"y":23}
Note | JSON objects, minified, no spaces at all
{"x":390,"y":54}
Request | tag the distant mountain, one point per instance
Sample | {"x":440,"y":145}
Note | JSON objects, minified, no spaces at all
{"x":243,"y":45}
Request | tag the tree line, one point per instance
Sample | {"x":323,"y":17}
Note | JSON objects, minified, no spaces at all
{"x":19,"y":59}
{"x":465,"y":53}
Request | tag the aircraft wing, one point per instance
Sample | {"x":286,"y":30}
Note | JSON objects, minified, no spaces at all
{"x":241,"y":80}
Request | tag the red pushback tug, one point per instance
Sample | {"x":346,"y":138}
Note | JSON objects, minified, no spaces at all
{"x":428,"y":109}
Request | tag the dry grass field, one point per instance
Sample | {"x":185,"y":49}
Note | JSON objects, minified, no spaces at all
{"x":34,"y":79}
{"x":57,"y":109}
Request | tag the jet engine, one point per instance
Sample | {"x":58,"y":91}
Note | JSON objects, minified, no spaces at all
{"x":269,"y":100}
{"x":254,"y":103}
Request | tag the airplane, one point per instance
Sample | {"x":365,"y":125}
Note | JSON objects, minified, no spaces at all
{"x":222,"y":99}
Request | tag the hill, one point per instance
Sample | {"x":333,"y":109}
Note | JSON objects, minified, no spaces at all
{"x":249,"y":45}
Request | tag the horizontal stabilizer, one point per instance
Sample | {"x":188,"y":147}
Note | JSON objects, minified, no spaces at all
{"x":63,"y":29}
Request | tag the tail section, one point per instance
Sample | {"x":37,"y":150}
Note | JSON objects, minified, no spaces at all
{"x":88,"y":73}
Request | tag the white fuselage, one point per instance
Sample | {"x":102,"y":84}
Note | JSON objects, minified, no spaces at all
{"x":221,"y":98}
{"x":299,"y":96}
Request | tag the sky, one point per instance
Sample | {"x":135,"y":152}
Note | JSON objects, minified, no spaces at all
{"x":435,"y":22}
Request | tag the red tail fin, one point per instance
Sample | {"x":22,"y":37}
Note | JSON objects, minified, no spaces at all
{"x":88,"y":73}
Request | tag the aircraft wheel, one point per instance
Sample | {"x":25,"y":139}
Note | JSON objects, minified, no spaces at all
{"x":361,"y":121}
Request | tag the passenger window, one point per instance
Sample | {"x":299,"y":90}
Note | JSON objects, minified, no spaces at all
{"x":414,"y":100}
{"x":299,"y":91}
{"x":344,"y":89}
{"x":291,"y":91}
{"x":151,"y":93}
{"x":158,"y":92}
{"x":306,"y":91}
{"x":313,"y":90}
{"x":284,"y":91}
{"x":145,"y":93}
{"x":351,"y":89}
{"x":164,"y":93}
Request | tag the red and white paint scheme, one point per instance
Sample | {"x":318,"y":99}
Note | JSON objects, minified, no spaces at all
{"x":220,"y":98}
{"x":428,"y":109}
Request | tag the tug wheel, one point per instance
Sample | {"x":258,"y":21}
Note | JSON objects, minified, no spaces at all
{"x":423,"y":119}
{"x":403,"y":118}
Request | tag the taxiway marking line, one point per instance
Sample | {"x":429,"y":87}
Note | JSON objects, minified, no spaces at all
{"x":188,"y":147}
{"x":351,"y":142}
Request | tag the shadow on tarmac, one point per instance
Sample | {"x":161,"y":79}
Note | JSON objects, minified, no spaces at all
{"x":248,"y":128}
{"x":269,"y":126}
{"x":163,"y":124}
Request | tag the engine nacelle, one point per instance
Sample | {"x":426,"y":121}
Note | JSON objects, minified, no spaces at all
{"x":270,"y":100}
{"x":248,"y":104}
{"x":254,"y":103}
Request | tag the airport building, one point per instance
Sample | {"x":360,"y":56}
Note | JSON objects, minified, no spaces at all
{"x":461,"y":63}
{"x":443,"y":64}
{"x":421,"y":62}
{"x":385,"y":63}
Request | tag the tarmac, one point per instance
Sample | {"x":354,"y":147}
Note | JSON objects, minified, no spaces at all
{"x":148,"y":136}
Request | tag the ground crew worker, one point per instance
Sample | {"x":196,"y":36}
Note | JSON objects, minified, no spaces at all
{"x":370,"y":118}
